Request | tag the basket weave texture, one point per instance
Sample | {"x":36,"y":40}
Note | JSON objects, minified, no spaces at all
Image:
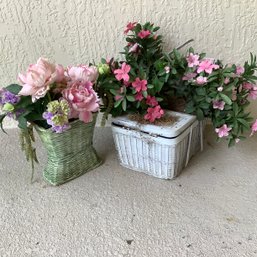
{"x":69,"y":154}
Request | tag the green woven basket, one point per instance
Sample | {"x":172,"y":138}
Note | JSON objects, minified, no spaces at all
{"x":69,"y":154}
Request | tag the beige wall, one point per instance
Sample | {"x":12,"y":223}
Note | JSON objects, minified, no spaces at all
{"x":79,"y":31}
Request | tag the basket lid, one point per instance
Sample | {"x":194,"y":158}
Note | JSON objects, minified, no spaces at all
{"x":182,"y":122}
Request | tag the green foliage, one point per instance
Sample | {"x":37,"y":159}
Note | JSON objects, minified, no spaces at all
{"x":222,"y":98}
{"x":146,"y":63}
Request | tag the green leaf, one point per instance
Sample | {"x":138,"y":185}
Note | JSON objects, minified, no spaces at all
{"x":201,"y":91}
{"x":150,"y":86}
{"x":173,"y":71}
{"x":124,"y":104}
{"x":24,"y":102}
{"x":199,"y":114}
{"x":226,"y":99}
{"x":14,"y":88}
{"x":244,"y":123}
{"x":22,"y":122}
{"x":235,"y":108}
{"x":144,"y":93}
{"x":32,"y":116}
{"x":117,"y":103}
{"x":131,"y":98}
{"x":114,"y":92}
{"x":1,"y":122}
{"x":159,"y":99}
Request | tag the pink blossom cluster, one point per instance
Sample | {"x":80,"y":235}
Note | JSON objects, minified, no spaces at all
{"x":75,"y":83}
{"x":200,"y":69}
{"x":154,"y":110}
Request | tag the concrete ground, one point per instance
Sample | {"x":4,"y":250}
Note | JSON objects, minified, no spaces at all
{"x":210,"y":210}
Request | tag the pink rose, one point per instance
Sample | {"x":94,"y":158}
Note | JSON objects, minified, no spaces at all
{"x":82,"y":73}
{"x":36,"y":80}
{"x":82,"y":99}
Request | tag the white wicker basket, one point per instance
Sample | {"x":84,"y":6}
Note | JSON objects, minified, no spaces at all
{"x":160,"y":151}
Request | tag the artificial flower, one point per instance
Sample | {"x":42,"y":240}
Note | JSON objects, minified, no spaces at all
{"x":151,"y":100}
{"x":37,"y":79}
{"x":253,"y":93}
{"x":140,"y":85}
{"x":82,"y":73}
{"x":60,"y":77}
{"x":192,"y":60}
{"x":201,"y":80}
{"x":223,"y":131}
{"x":122,"y":73}
{"x":254,"y":127}
{"x":57,"y":115}
{"x":139,"y":96}
{"x":189,"y":76}
{"x":8,"y":97}
{"x":154,"y":113}
{"x":226,"y":81}
{"x":218,"y":105}
{"x":134,"y":48}
{"x":82,"y":99}
{"x":207,"y":66}
{"x":144,"y":34}
{"x":239,"y":70}
{"x":167,"y":69}
{"x":130,"y":26}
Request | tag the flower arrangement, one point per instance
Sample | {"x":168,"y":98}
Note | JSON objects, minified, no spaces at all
{"x":134,"y":85}
{"x":149,"y":79}
{"x":216,"y":91}
{"x":51,"y":97}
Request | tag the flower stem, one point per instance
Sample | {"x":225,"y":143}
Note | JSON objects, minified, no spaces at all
{"x":49,"y":97}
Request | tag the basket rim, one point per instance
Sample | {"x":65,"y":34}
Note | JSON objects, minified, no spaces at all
{"x":41,"y":129}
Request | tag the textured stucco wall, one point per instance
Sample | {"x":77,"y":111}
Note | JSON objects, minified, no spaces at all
{"x":79,"y":31}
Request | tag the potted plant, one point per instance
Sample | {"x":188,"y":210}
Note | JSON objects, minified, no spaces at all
{"x":149,"y":138}
{"x":212,"y":90}
{"x":61,"y":104}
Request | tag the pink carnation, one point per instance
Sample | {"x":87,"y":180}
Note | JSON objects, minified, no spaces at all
{"x":144,"y":34}
{"x":151,"y":100}
{"x":82,"y":73}
{"x":192,"y":60}
{"x":207,"y":66}
{"x":140,"y":85}
{"x":223,"y":131}
{"x":154,"y":113}
{"x":122,"y":73}
{"x":83,"y":100}
{"x":37,"y":79}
